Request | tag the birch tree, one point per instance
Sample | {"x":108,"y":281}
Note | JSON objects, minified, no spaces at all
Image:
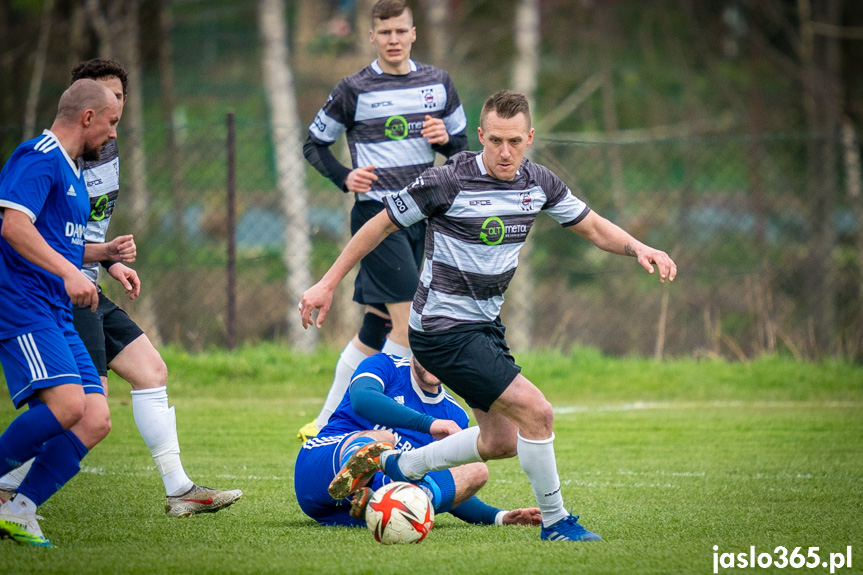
{"x":290,"y":166}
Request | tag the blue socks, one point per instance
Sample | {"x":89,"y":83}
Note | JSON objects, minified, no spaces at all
{"x":440,"y":487}
{"x":59,"y":463}
{"x":353,"y":447}
{"x":25,"y":436}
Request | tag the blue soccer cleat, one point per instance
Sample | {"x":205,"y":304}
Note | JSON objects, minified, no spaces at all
{"x":568,"y":529}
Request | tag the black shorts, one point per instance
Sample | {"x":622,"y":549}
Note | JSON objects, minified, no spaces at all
{"x":390,"y":273}
{"x":106,"y":332}
{"x":472,"y":360}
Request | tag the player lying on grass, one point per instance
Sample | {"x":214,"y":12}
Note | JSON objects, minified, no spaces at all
{"x":391,"y":401}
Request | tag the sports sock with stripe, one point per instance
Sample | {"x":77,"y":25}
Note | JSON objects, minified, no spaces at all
{"x":52,"y":468}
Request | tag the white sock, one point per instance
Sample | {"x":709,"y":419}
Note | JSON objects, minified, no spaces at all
{"x":536,"y":457}
{"x":13,"y":479}
{"x":398,"y":349}
{"x":349,"y":360}
{"x":451,"y":451}
{"x":22,"y":504}
{"x":158,"y":426}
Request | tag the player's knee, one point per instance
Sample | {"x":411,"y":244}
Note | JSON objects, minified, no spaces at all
{"x":374,"y":330}
{"x":159,"y":373}
{"x":477,"y":474}
{"x":70,"y":413}
{"x":94,"y":427}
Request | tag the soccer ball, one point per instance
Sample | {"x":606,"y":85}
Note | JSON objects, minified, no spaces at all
{"x":399,"y":512}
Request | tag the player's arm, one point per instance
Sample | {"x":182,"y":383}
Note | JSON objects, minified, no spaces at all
{"x":22,"y":235}
{"x":478,"y":512}
{"x":612,"y":238}
{"x":367,"y":238}
{"x":369,"y":401}
{"x":120,"y":249}
{"x":322,"y":159}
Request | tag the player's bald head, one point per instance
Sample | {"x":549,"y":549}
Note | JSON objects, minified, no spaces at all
{"x":81,"y":96}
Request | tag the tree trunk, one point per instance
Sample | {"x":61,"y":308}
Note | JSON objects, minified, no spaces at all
{"x":524,"y":79}
{"x":605,"y":39}
{"x":290,"y":165}
{"x":436,"y":31}
{"x":39,"y":59}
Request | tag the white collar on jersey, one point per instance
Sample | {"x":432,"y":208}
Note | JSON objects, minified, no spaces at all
{"x":377,"y":67}
{"x":423,"y":395}
{"x":73,"y":165}
{"x":481,"y":166}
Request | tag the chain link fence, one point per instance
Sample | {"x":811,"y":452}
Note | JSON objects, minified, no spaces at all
{"x":768,"y":261}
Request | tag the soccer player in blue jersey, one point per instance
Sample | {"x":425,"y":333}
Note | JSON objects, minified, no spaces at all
{"x":45,"y":206}
{"x":114,"y":340}
{"x":391,"y":401}
{"x":480,"y":207}
{"x":395,"y":113}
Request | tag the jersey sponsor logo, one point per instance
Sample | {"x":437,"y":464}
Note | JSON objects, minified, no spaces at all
{"x":428,"y":98}
{"x":400,"y":442}
{"x":492,"y":231}
{"x":401,"y":206}
{"x":76,"y":233}
{"x":99,"y":208}
{"x":525,"y":201}
{"x":71,"y":191}
{"x":396,"y":128}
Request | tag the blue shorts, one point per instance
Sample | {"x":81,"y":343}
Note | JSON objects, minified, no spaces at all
{"x":46,"y":358}
{"x":317,"y":465}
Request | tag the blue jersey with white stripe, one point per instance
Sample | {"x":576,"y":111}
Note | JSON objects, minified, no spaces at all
{"x":394,"y":375}
{"x":382,"y":116}
{"x":41,"y":180}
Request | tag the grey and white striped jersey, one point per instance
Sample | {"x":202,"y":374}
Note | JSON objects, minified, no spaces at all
{"x":477,"y":225}
{"x":103,"y":184}
{"x":382,"y":115}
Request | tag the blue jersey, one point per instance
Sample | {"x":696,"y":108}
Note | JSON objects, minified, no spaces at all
{"x":41,"y":180}
{"x":394,"y":375}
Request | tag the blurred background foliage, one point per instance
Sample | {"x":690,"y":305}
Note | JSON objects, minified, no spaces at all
{"x":723,"y":131}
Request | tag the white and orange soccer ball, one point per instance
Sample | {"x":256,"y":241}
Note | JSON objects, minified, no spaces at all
{"x":399,"y":512}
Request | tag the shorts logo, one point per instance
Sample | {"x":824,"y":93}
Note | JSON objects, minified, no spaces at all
{"x":401,"y":206}
{"x":428,"y":98}
{"x":492,"y":231}
{"x":396,"y":128}
{"x":525,"y":201}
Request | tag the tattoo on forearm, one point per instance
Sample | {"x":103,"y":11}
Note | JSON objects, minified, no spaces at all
{"x":628,"y":250}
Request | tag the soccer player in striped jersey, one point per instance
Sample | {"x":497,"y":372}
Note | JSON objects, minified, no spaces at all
{"x":395,"y":113}
{"x":114,"y":340}
{"x":44,"y":206}
{"x":391,"y":401}
{"x":480,"y":207}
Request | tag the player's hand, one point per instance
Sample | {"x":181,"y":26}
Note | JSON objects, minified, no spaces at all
{"x":441,"y":428}
{"x":529,"y":516}
{"x":122,"y":249}
{"x":128,"y":277}
{"x":434,"y":131}
{"x":360,"y":180}
{"x":81,"y":291}
{"x":666,"y":266}
{"x":317,"y":297}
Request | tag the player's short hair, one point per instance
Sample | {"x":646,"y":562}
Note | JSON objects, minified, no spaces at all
{"x":98,"y":68}
{"x":506,"y":104}
{"x":386,"y":9}
{"x":84,"y":94}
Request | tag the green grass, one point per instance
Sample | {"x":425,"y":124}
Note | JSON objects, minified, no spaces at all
{"x":663,"y":460}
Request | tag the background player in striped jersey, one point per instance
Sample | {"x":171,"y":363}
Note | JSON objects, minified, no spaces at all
{"x":44,"y":212}
{"x":391,"y":401}
{"x":114,"y":340}
{"x":480,"y":207}
{"x":395,"y":113}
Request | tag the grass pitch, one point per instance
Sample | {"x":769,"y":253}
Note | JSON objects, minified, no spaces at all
{"x":665,"y":461}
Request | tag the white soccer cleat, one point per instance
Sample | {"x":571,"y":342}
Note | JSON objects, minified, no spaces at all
{"x":23,"y":528}
{"x":200,"y":500}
